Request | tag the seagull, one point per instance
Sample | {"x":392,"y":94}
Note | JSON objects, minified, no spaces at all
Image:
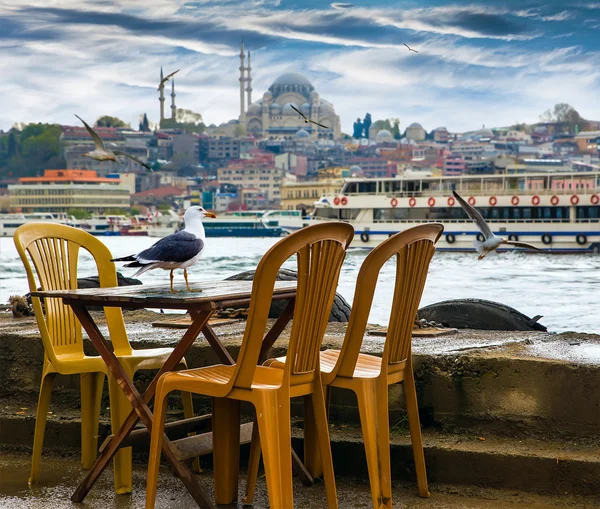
{"x":101,"y":153}
{"x":179,"y":250}
{"x":491,"y":242}
{"x":166,"y":78}
{"x":409,"y":48}
{"x":307,"y":120}
{"x":341,"y":5}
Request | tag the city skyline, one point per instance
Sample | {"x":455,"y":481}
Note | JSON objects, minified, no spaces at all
{"x":477,"y":64}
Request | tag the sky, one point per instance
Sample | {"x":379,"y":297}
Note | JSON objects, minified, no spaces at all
{"x":478,"y":63}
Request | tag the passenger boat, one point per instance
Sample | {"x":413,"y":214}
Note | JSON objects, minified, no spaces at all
{"x":245,"y":223}
{"x":103,"y":225}
{"x":10,"y":222}
{"x":557,"y":212}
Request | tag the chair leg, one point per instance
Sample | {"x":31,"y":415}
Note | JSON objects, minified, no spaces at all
{"x":91,"y":385}
{"x":158,"y":430}
{"x":367,"y":407}
{"x":383,"y":446}
{"x":253,"y":464}
{"x":273,"y":415}
{"x":120,"y":407}
{"x":312,"y":457}
{"x":322,"y":431}
{"x":226,"y":453}
{"x":40,"y":425}
{"x":412,"y":409}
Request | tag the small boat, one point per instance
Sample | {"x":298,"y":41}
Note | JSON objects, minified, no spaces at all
{"x":245,"y":223}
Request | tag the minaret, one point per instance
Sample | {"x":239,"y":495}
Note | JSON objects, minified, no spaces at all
{"x":242,"y":81}
{"x":173,"y":107}
{"x":249,"y":81}
{"x":162,"y":97}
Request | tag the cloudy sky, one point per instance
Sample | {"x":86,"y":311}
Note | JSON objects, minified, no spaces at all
{"x":484,"y":62}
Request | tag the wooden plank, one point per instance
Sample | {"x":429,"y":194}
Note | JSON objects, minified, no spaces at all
{"x":185,"y":322}
{"x":189,"y":425}
{"x":158,"y":296}
{"x":428,"y":332}
{"x":201,"y":445}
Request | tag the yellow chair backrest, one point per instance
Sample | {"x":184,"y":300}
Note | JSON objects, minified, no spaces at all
{"x":54,"y":251}
{"x":414,"y":249}
{"x":320,"y":253}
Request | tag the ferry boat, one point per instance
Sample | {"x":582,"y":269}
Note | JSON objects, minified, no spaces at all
{"x":10,"y":222}
{"x":103,"y":225}
{"x":245,"y":223}
{"x":556,"y":212}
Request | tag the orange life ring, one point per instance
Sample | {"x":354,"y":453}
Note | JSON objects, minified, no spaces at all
{"x":554,"y":200}
{"x":574,"y":199}
{"x":336,"y":201}
{"x":595,"y":199}
{"x":493,"y":200}
{"x":471,"y":200}
{"x":394,"y":202}
{"x":412,"y":202}
{"x":431,"y":201}
{"x":451,"y":202}
{"x":535,"y":200}
{"x":344,"y":200}
{"x":515,"y":200}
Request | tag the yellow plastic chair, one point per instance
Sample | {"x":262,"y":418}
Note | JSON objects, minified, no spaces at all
{"x":320,"y":253}
{"x":54,"y":251}
{"x":369,"y":376}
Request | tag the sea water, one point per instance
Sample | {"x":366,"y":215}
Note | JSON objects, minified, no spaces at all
{"x":565,"y":289}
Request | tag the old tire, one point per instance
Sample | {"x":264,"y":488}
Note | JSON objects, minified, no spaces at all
{"x":340,"y":312}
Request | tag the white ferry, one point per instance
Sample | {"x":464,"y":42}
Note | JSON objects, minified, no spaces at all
{"x":10,"y":222}
{"x":557,"y":212}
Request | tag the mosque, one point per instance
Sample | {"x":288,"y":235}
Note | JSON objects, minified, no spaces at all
{"x":273,"y":115}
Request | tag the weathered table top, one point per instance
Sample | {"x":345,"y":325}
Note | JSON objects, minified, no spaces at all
{"x":205,"y":294}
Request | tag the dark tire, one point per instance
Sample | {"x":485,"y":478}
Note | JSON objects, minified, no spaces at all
{"x":581,"y":239}
{"x":450,"y":238}
{"x":512,"y":236}
{"x":340,"y":311}
{"x":480,"y":237}
{"x":364,"y":237}
{"x":546,"y":239}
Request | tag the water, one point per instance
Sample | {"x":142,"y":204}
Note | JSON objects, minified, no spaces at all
{"x":565,"y":289}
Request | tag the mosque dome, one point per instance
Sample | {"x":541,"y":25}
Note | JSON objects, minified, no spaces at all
{"x":415,"y":125}
{"x":288,"y":110}
{"x":302,"y":134}
{"x":355,"y":169}
{"x":305,"y":108}
{"x":383,"y":136}
{"x":484,"y":133}
{"x":255,"y":108}
{"x":292,"y":78}
{"x":275,"y":106}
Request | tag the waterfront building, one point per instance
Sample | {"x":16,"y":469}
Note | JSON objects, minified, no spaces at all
{"x":297,"y":195}
{"x":416,"y":132}
{"x":266,"y":179}
{"x":64,"y":190}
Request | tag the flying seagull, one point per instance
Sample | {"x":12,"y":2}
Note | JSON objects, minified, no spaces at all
{"x":409,"y":48}
{"x":341,"y":5}
{"x":179,"y":250}
{"x":166,"y":78}
{"x":491,"y":242}
{"x":307,"y":120}
{"x":101,"y":153}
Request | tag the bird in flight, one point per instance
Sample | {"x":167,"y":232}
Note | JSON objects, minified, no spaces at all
{"x":166,"y":78}
{"x":307,"y":120}
{"x":491,"y":242}
{"x":101,"y":153}
{"x":179,"y":250}
{"x":409,"y":48}
{"x":341,"y":5}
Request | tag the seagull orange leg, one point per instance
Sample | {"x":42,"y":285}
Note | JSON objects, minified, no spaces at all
{"x":172,"y":276}
{"x":187,"y":284}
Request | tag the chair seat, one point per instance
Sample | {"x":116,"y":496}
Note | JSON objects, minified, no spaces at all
{"x":367,"y":366}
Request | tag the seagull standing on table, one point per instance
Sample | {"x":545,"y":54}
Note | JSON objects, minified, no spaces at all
{"x":491,"y":242}
{"x":179,"y":250}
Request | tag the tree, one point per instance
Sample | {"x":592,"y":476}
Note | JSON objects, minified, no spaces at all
{"x":11,"y":144}
{"x":144,"y":124}
{"x":564,"y":113}
{"x":108,"y":121}
{"x":239,"y":130}
{"x":188,"y":116}
{"x":396,"y":129}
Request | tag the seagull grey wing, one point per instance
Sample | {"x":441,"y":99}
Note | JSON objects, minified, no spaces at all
{"x":124,"y":154}
{"x":178,"y":247}
{"x":521,"y":244}
{"x":298,"y":111}
{"x":320,"y":125}
{"x":475,"y":216}
{"x":97,"y":141}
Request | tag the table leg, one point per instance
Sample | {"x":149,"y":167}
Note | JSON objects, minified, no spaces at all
{"x":276,"y":330}
{"x":139,"y":404}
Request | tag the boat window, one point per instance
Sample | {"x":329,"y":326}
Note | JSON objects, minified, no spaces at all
{"x":547,"y":213}
{"x":367,"y":187}
{"x":326,"y":213}
{"x":350,"y":187}
{"x":347,"y":214}
{"x":516,"y":213}
{"x":592,"y":213}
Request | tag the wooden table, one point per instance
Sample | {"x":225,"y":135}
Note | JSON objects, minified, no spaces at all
{"x":215,"y":295}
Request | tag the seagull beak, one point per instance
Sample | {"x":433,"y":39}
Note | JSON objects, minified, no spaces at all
{"x":209,"y":214}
